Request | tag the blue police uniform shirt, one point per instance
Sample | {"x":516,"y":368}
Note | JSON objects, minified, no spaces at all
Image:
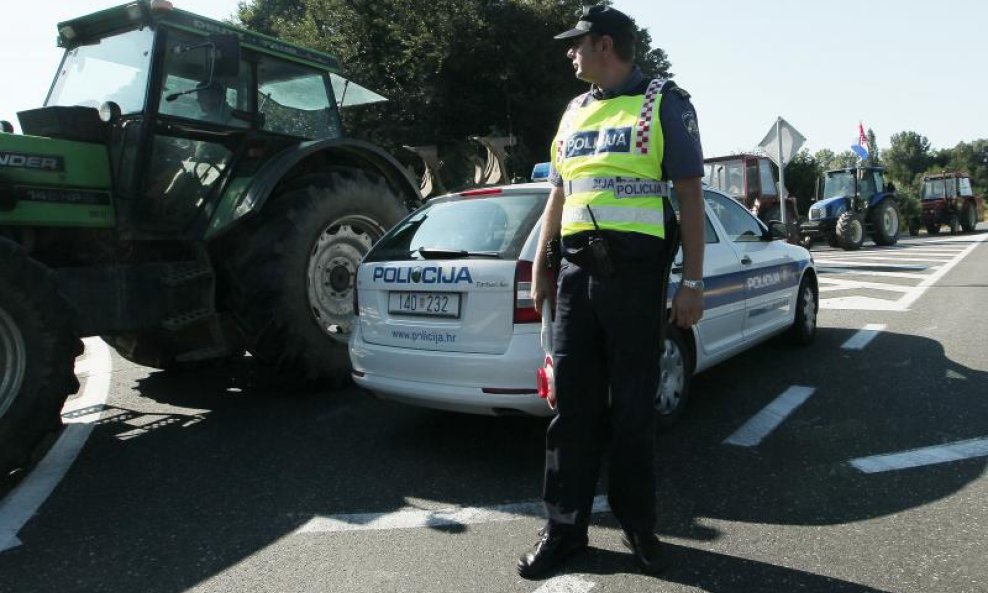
{"x":683,"y":156}
{"x":682,"y":159}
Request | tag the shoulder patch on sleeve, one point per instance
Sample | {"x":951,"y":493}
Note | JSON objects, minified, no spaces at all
{"x":691,"y":125}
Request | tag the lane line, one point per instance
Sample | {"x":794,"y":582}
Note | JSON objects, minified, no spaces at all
{"x":923,"y":456}
{"x":763,"y":423}
{"x":410,"y":518}
{"x":566,"y":584}
{"x":863,"y":337}
{"x":24,"y":501}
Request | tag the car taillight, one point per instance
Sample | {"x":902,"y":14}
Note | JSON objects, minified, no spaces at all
{"x":524,"y":305}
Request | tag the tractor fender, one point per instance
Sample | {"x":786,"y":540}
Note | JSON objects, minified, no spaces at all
{"x":249,"y":196}
{"x":879,"y":198}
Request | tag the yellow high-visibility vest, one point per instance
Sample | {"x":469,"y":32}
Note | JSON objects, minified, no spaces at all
{"x":609,"y":154}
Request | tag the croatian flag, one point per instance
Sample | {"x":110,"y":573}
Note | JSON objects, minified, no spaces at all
{"x":861,"y":148}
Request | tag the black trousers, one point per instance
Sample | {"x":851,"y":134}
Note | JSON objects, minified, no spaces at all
{"x":607,"y":337}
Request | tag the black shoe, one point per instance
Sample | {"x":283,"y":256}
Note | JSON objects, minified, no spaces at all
{"x":549,"y":552}
{"x":647,"y":550}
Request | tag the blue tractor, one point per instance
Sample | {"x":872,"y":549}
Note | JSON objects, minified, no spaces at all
{"x":856,"y":201}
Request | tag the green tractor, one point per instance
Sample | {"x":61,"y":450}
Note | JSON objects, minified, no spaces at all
{"x":186,"y":193}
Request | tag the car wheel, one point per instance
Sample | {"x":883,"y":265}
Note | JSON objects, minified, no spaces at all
{"x":804,"y":322}
{"x":675,"y":378}
{"x":850,"y":231}
{"x":969,"y":219}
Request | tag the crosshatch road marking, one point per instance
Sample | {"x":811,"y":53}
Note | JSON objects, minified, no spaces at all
{"x":416,"y":518}
{"x":763,"y":423}
{"x":880,"y":264}
{"x":922,"y":456}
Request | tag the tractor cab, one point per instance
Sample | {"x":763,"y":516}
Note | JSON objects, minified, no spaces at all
{"x":751,"y":180}
{"x":856,"y":183}
{"x":948,"y":199}
{"x":161,"y":118}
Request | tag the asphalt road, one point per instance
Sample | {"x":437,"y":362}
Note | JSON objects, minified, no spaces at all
{"x":232,"y":479}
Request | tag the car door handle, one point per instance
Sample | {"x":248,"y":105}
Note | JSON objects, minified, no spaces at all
{"x":745,"y":260}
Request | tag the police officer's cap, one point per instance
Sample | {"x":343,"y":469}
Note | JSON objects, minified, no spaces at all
{"x":601,"y":20}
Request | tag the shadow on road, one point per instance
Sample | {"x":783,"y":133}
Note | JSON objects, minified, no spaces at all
{"x":246,"y":465}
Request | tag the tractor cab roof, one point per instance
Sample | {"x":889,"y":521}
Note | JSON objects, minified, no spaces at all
{"x":151,"y":13}
{"x":91,"y":28}
{"x":945,"y":175}
{"x":734,"y":157}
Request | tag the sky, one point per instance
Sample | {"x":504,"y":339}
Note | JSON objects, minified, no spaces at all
{"x":894,"y":65}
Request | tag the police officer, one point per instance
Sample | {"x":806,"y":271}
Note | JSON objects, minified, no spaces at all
{"x":617,"y":147}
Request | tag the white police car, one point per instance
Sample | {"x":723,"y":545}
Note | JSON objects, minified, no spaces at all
{"x":444,"y":317}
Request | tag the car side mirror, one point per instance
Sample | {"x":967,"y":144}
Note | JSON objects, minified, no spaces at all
{"x":776,"y":230}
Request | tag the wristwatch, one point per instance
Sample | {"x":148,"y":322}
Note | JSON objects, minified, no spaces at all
{"x":696,"y":285}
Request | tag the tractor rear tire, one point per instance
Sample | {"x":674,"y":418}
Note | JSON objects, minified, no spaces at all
{"x":954,"y":224}
{"x":969,"y":217}
{"x":850,"y":231}
{"x":886,"y":223}
{"x":292,"y":270}
{"x":38,"y":347}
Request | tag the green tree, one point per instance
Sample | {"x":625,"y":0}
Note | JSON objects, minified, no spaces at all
{"x":874,"y":154}
{"x":802,"y":175}
{"x":972,"y":158}
{"x":907,"y":157}
{"x":451,"y":68}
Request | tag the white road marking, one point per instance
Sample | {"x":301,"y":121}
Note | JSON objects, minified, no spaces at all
{"x":908,"y":298}
{"x":879,"y":258}
{"x":566,"y":584}
{"x":410,"y":518}
{"x":25,"y":500}
{"x":872,"y":273}
{"x":863,"y":337}
{"x":922,"y":456}
{"x":838,"y":284}
{"x":761,"y":424}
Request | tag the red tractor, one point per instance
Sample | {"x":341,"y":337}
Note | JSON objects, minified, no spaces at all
{"x":751,"y":180}
{"x":948,"y":199}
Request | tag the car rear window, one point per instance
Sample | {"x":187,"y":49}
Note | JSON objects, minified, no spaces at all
{"x":495,"y":226}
